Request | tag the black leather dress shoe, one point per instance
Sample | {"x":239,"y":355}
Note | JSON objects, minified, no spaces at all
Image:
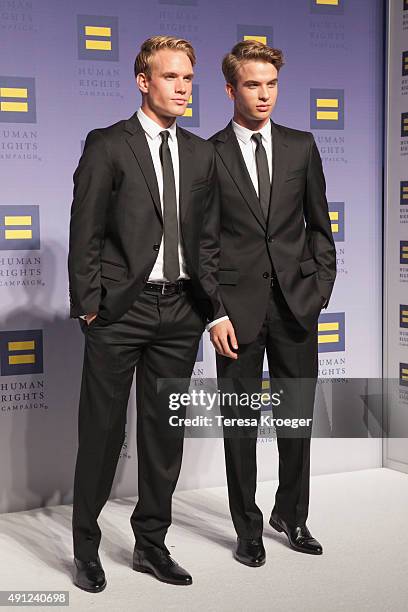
{"x":299,"y":536}
{"x":89,"y":575}
{"x":250,"y":552}
{"x":159,"y":563}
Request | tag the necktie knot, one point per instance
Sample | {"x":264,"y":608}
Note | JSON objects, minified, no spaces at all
{"x":165,"y":136}
{"x":258,"y":138}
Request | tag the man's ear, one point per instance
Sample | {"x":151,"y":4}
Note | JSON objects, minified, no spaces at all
{"x":142,"y":82}
{"x":229,"y":88}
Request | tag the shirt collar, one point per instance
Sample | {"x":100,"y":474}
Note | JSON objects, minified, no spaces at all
{"x":245,"y":135}
{"x":152,"y":128}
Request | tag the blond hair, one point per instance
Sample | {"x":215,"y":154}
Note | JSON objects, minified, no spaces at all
{"x":248,"y":50}
{"x":143,"y":61}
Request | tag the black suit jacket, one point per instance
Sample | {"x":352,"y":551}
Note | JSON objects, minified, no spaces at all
{"x":296,"y":241}
{"x":116,"y":221}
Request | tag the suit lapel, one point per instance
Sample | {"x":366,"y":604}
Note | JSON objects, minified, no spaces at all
{"x":185,"y":150}
{"x":137,"y":141}
{"x":280,"y":159}
{"x":229,"y":150}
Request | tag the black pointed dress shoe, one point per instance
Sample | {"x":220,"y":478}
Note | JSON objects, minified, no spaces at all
{"x":89,"y":575}
{"x":299,"y":536}
{"x":250,"y":552}
{"x":159,"y":563}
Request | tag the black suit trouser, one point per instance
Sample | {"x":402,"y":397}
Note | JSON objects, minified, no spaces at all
{"x":293,"y":367}
{"x":160,"y":335}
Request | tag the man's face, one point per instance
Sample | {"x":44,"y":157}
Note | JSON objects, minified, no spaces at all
{"x":167,"y":91}
{"x":256,"y":90}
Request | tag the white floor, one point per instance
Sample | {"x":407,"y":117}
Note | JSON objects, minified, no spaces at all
{"x":359,"y":517}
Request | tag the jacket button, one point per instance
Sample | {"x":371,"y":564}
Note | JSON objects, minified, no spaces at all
{"x":270,"y":239}
{"x":156,"y":247}
{"x":265,"y":274}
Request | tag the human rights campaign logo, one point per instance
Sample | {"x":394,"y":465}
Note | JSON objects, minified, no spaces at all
{"x":405,"y":63}
{"x":404,"y":125}
{"x":327,"y":109}
{"x":17,"y":100}
{"x":266,"y":391}
{"x":404,"y":193}
{"x":260,"y":33}
{"x":404,"y":252}
{"x":98,"y":38}
{"x":403,"y":374}
{"x":19,"y":228}
{"x":336,"y":214}
{"x":331,"y":332}
{"x":21,"y":352}
{"x":327,"y":7}
{"x":191,"y":117}
{"x":403,"y":315}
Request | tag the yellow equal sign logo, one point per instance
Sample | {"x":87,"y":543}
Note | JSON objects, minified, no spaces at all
{"x":189,"y":110}
{"x":327,"y":115}
{"x":405,"y":63}
{"x":334,"y":219}
{"x":266,"y":388}
{"x":23,"y":356}
{"x":13,"y":106}
{"x":260,"y":33}
{"x":261,"y":39}
{"x":327,"y":2}
{"x":18,"y":220}
{"x":404,"y":124}
{"x":331,"y":335}
{"x":403,"y":316}
{"x":404,"y":191}
{"x":329,"y":332}
{"x":404,"y":251}
{"x":93,"y":42}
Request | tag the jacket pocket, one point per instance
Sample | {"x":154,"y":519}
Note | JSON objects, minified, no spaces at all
{"x":294,"y":174}
{"x":227,"y":277}
{"x":308,"y":267}
{"x":112,"y":271}
{"x":200,"y":184}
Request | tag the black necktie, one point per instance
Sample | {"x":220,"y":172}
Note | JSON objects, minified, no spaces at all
{"x":264,"y":181}
{"x":171,"y":259}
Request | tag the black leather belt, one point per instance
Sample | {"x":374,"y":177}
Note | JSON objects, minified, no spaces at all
{"x":168,"y":288}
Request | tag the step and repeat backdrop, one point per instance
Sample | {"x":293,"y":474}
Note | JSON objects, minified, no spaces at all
{"x":66,"y":68}
{"x":396,"y":240}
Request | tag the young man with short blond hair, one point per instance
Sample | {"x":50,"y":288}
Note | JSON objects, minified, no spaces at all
{"x":142,"y":263}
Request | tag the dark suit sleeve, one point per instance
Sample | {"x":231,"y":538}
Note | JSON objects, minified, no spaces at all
{"x":318,"y":226}
{"x":210,"y":244}
{"x":92,"y":189}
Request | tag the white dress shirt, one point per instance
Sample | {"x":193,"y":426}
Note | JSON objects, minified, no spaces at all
{"x":248,"y":148}
{"x":154,"y":140}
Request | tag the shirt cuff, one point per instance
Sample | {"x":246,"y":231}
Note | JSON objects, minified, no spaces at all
{"x":210,"y":325}
{"x":83,"y":317}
